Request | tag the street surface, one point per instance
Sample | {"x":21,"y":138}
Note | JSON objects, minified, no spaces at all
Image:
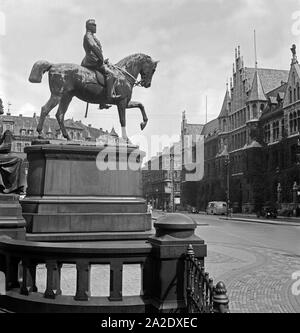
{"x":255,"y":260}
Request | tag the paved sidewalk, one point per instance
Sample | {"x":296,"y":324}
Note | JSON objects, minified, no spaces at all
{"x":265,"y":221}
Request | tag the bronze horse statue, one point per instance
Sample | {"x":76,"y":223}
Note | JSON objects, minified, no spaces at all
{"x":69,"y":80}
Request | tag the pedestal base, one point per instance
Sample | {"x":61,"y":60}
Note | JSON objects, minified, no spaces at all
{"x":69,"y":196}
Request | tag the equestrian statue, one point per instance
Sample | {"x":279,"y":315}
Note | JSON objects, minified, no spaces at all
{"x":96,"y":81}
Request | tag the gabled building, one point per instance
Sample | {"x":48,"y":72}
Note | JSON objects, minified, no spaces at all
{"x":257,"y":132}
{"x":24,"y":131}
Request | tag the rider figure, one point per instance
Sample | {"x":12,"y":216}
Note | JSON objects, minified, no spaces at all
{"x":94,"y":60}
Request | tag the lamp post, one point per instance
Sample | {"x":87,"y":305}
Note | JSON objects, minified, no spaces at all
{"x":172,"y":182}
{"x":227,"y":163}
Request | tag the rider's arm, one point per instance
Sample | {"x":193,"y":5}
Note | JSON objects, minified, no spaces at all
{"x":95,"y":47}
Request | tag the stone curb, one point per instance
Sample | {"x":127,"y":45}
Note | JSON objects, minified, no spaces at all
{"x":261,"y":221}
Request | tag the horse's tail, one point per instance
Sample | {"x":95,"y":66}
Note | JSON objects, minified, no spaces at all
{"x":38,"y":70}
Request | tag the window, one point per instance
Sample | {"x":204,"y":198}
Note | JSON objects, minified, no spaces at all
{"x":276,"y":131}
{"x":19,"y":146}
{"x":267,"y":131}
{"x":254,"y":108}
{"x":293,"y":122}
{"x":298,"y":91}
{"x":282,"y":128}
{"x":291,"y":95}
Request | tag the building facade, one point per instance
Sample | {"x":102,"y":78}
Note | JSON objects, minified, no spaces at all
{"x":24,"y":132}
{"x":254,"y":141}
{"x":162,"y":179}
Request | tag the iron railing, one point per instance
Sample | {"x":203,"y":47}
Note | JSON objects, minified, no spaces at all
{"x":201,"y":294}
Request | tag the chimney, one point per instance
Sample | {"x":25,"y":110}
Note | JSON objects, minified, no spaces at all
{"x":90,"y":125}
{"x":20,"y":115}
{"x":34,"y":115}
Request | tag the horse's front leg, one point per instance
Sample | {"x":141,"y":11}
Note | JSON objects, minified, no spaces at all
{"x":134,"y":104}
{"x":122,"y":117}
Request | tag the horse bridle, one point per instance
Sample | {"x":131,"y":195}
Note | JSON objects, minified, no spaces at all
{"x":136,"y":83}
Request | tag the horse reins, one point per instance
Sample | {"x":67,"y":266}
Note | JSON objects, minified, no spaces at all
{"x":136,"y":83}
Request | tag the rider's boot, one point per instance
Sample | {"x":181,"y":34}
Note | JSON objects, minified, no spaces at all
{"x":111,"y":97}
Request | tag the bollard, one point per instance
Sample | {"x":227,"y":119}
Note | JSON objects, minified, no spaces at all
{"x":220,"y":299}
{"x":174,"y":234}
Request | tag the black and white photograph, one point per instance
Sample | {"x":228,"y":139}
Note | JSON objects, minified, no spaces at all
{"x":149,"y":159}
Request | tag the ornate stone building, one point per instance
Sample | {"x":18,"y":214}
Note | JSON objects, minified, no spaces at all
{"x":257,"y":129}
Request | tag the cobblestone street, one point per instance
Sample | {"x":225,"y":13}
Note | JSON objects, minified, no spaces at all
{"x":257,"y":271}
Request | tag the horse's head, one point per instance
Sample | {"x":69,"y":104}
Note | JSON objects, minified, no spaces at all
{"x":147,"y":71}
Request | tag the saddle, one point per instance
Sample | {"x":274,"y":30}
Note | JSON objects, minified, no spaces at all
{"x":100,"y":78}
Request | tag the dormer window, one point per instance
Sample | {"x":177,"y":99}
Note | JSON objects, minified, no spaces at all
{"x":23,"y":132}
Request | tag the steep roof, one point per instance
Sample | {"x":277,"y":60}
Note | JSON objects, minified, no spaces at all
{"x":211,"y":128}
{"x":257,"y":91}
{"x":193,"y":129}
{"x":225,"y":108}
{"x":270,"y":78}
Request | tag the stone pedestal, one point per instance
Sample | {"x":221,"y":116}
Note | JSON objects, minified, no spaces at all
{"x":174,"y":234}
{"x":12,"y":223}
{"x":85,"y":193}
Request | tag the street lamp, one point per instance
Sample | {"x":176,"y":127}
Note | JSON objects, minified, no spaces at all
{"x":227,"y":164}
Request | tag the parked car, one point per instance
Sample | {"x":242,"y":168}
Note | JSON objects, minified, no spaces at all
{"x":216,"y":208}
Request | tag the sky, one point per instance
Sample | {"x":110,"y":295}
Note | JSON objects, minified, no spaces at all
{"x":194,"y":40}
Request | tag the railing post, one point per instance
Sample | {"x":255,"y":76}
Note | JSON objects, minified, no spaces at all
{"x":83,"y":281}
{"x":51,"y":267}
{"x":174,"y":234}
{"x":116,"y":279}
{"x":220,"y":299}
{"x":12,"y":272}
{"x":24,"y":289}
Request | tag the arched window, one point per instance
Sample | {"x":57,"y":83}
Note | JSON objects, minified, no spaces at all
{"x":295,"y":96}
{"x":298,"y":91}
{"x":295,"y":121}
{"x":291,"y":95}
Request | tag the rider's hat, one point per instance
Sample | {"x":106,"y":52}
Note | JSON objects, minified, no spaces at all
{"x":90,"y":21}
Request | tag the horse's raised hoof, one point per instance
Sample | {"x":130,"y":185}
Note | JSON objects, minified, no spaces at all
{"x":143,"y":125}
